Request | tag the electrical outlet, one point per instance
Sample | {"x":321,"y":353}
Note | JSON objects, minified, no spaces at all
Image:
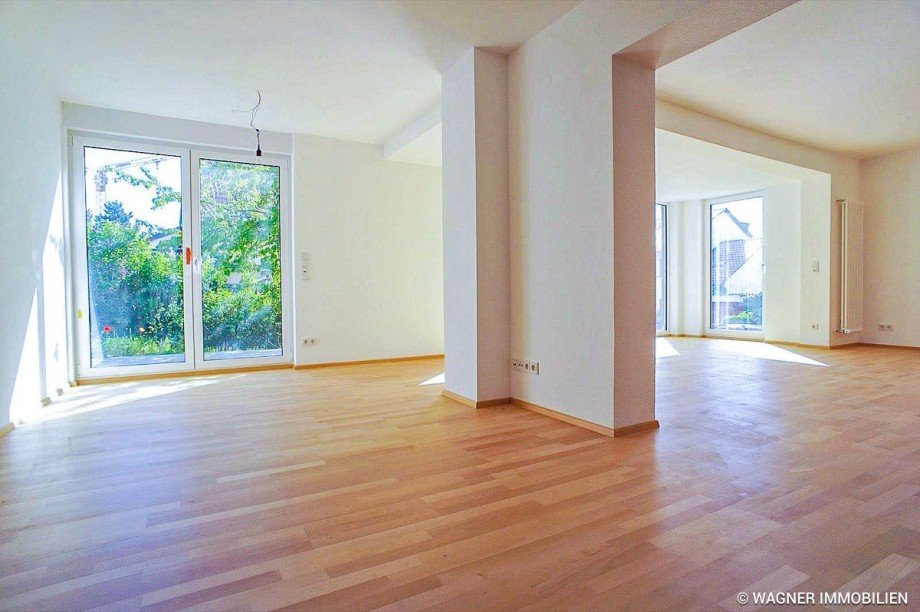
{"x":308,"y":342}
{"x":814,"y":326}
{"x":885,"y":327}
{"x":522,"y":365}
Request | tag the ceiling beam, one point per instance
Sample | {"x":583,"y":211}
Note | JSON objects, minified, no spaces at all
{"x":410,"y":132}
{"x":714,"y":21}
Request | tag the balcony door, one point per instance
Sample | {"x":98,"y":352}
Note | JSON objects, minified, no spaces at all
{"x":178,"y":259}
{"x":736,"y":265}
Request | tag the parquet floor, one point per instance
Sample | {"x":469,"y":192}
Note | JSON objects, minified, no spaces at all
{"x":356,"y":487}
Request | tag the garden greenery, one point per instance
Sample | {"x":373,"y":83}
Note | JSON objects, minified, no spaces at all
{"x":135,"y":267}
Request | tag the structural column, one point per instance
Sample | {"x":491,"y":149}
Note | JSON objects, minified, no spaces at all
{"x":476,"y":253}
{"x":633,"y":246}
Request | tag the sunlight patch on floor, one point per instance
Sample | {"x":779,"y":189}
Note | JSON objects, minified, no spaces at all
{"x":91,"y":397}
{"x":663,"y":348}
{"x":761,"y":350}
{"x":434,"y":380}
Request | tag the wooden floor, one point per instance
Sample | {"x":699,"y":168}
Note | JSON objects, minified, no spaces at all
{"x":355,"y":487}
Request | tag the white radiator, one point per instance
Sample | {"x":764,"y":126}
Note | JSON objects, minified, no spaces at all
{"x":851,"y":266}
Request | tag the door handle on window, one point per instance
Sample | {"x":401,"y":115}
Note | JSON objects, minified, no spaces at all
{"x":188,"y":255}
{"x":196,"y":264}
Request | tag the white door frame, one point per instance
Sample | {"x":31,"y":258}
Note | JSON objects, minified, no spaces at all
{"x":80,"y":291}
{"x":287,"y":344}
{"x":191,"y":239}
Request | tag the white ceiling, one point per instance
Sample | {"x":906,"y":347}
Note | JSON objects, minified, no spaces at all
{"x":357,"y":70}
{"x":842,"y":75}
{"x":691,"y":169}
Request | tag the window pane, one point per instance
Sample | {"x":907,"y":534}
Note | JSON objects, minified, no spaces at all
{"x":661,"y":267}
{"x":134,"y":257}
{"x":736,"y":265}
{"x":240,"y":208}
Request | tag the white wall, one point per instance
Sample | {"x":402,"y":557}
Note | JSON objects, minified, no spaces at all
{"x":821,"y":290}
{"x":32,"y":347}
{"x":687,"y":270}
{"x":891,"y":194}
{"x":820,"y":224}
{"x":373,"y":231}
{"x":561,"y":182}
{"x":782,"y":282}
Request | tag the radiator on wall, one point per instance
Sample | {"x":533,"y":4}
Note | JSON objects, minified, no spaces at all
{"x":851,"y":266}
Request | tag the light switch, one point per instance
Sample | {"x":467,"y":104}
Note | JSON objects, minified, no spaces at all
{"x":815,"y":266}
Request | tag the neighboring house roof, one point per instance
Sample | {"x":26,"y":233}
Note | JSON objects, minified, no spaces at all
{"x":741,"y":258}
{"x":741,"y":225}
{"x":157,"y":239}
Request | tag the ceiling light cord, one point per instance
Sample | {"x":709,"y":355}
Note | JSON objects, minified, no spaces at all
{"x":252,"y":119}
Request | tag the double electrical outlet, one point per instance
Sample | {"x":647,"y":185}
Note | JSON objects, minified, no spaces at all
{"x":885,"y":327}
{"x":522,"y":365}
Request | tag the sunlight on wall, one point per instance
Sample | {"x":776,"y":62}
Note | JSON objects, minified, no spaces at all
{"x":663,"y":348}
{"x":434,"y":380}
{"x":42,"y":359}
{"x":25,"y":402}
{"x":52,"y":293}
{"x":761,"y":350}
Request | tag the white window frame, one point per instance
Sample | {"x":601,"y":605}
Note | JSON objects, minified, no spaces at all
{"x":79,"y":281}
{"x":81,"y":316}
{"x":287,"y":296}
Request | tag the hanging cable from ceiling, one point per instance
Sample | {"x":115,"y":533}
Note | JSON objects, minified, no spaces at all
{"x":252,"y":119}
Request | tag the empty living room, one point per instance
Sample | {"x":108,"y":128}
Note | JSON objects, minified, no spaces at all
{"x":459,"y":304}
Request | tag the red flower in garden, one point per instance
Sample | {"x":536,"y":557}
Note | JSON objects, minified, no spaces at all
{"x":106,"y":329}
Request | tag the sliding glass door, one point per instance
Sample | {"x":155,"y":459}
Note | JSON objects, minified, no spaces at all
{"x":178,"y":259}
{"x":133,"y":292}
{"x":736,"y":265}
{"x":240,"y":294}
